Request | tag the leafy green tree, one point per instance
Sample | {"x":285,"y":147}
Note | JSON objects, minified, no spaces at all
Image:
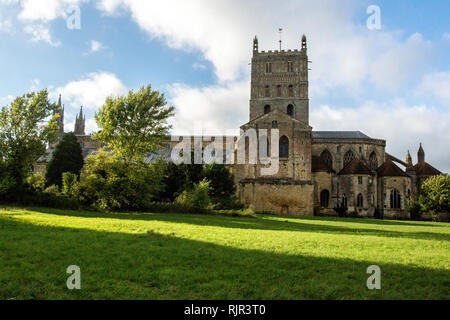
{"x":222,"y":181}
{"x":174,"y":181}
{"x":26,"y":126}
{"x":435,"y":194}
{"x":109,"y":184}
{"x":134,"y":125}
{"x":67,"y":157}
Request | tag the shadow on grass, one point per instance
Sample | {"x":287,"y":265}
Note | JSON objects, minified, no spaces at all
{"x":153,"y":266}
{"x":263,"y":222}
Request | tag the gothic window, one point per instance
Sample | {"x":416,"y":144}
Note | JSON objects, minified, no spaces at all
{"x":344,"y":201}
{"x":360,"y":201}
{"x":268,"y":67}
{"x":327,"y":158}
{"x":274,"y":124}
{"x":349,"y":157}
{"x":373,"y":161}
{"x":290,"y":110}
{"x":284,"y":147}
{"x":266,"y":109}
{"x":338,"y":149}
{"x":396,"y":199}
{"x":290,"y":69}
{"x":263,"y":147}
{"x":360,"y":180}
{"x":267,"y":91}
{"x":278,"y":91}
{"x":324,"y":198}
{"x":291,"y":90}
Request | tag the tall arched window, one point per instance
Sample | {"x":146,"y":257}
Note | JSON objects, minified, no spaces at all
{"x":267,"y":91}
{"x":263,"y":147}
{"x":290,"y":110}
{"x":396,"y":199}
{"x":268,"y":67}
{"x":373,"y":161}
{"x":291,"y":90}
{"x":344,"y":201}
{"x":349,"y":157}
{"x":327,"y":158}
{"x":284,"y":147}
{"x":324,"y":199}
{"x":360,"y":201}
{"x":278,"y":91}
{"x":266,"y":109}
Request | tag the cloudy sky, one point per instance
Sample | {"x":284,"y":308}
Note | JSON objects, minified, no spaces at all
{"x":391,"y":83}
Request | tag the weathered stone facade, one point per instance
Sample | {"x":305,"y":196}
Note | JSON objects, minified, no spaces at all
{"x":318,"y":171}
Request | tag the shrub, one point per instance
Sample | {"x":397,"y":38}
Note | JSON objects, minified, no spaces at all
{"x":36,"y":182}
{"x":53,"y":189}
{"x":435,"y":195}
{"x":415,"y":210}
{"x":197,"y":198}
{"x":222,"y":185}
{"x":69,"y":181}
{"x":109,"y":184}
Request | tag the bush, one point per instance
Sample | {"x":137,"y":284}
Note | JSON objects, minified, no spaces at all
{"x":109,"y":184}
{"x":54,"y":190}
{"x":36,"y":182}
{"x":197,"y":198}
{"x":415,"y":210}
{"x":435,"y":195}
{"x":69,"y":181}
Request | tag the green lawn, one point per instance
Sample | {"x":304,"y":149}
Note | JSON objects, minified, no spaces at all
{"x":180,"y":256}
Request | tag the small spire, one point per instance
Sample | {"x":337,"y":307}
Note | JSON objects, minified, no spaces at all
{"x":255,"y":45}
{"x":304,"y":46}
{"x":421,"y":154}
{"x":409,"y":163}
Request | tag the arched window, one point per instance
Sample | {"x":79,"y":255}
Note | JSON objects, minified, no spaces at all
{"x":291,"y":90}
{"x":373,"y":161}
{"x":327,"y":158}
{"x":274,"y":124}
{"x":290,"y":69}
{"x":349,"y":157}
{"x":268,"y":67}
{"x":360,"y":201}
{"x":278,"y":91}
{"x":263,"y":147}
{"x":267,"y":91}
{"x":344,"y":201}
{"x":266,"y":109}
{"x":324,"y":198}
{"x":396,"y":199}
{"x":290,"y":110}
{"x":284,"y":147}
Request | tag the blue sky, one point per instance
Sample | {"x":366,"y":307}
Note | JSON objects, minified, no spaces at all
{"x":392,"y":83}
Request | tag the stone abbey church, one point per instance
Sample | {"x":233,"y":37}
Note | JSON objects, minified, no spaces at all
{"x":318,"y":170}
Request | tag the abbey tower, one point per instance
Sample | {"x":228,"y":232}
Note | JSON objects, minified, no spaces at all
{"x":279,"y":81}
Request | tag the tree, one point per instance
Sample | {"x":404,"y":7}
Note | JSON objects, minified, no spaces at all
{"x":222,"y":181}
{"x":67,"y":157}
{"x":435,"y":194}
{"x":26,"y":126}
{"x":134,"y":125}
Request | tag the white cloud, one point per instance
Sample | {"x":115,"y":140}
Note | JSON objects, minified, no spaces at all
{"x":46,"y":10}
{"x":217,"y":108}
{"x":6,"y":100}
{"x":41,"y":33}
{"x":91,"y":91}
{"x":401,"y":125}
{"x":95,"y":46}
{"x":438,"y":85}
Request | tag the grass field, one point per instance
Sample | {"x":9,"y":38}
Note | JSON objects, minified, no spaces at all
{"x":178,"y":256}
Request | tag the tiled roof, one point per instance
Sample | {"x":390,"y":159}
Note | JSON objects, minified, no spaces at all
{"x":339,"y":135}
{"x":390,"y":169}
{"x":425,"y":169}
{"x":356,"y":166}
